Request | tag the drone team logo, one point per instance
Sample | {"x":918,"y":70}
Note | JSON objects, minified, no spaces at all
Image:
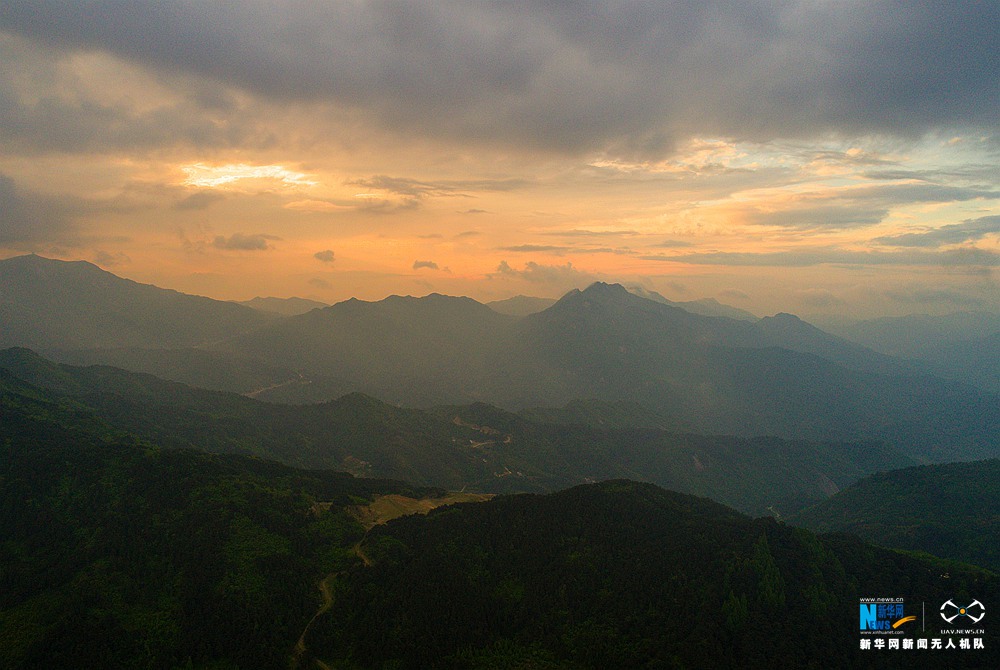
{"x":974,"y":611}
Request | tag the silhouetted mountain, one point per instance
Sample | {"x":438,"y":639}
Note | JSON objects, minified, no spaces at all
{"x":626,"y":575}
{"x":950,"y":510}
{"x":702,"y":374}
{"x":284,"y":306}
{"x":699,"y":374}
{"x":49,"y":304}
{"x":403,"y":349}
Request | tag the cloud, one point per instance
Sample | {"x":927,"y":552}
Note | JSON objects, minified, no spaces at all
{"x":412,"y":188}
{"x":559,"y":275}
{"x":560,"y":250}
{"x":474,"y":211}
{"x":543,"y":248}
{"x":416,"y":189}
{"x":827,"y":256}
{"x":619,"y":76}
{"x":431,"y":265}
{"x":592,"y":233}
{"x":925,"y":295}
{"x":243,"y":242}
{"x":324,"y":256}
{"x":317,"y":206}
{"x":320,"y":283}
{"x":199,"y":200}
{"x":817,"y":297}
{"x":827,"y":216}
{"x":967,"y":231}
{"x":30,"y":218}
{"x":63,"y":111}
{"x":735,"y":294}
{"x":222,"y":176}
{"x":109,"y":259}
{"x":852,"y":207}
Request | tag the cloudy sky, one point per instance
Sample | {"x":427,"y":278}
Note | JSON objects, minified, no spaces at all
{"x":801,"y":156}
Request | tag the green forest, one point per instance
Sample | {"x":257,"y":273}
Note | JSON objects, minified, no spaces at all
{"x":120,"y":551}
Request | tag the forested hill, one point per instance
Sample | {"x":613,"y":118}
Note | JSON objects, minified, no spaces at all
{"x":117,"y":554}
{"x":948,"y":510}
{"x":477,"y":447}
{"x":626,"y":575}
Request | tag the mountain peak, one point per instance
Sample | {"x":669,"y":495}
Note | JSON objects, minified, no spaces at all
{"x":788,"y":323}
{"x":36,"y":262}
{"x":599,"y":288}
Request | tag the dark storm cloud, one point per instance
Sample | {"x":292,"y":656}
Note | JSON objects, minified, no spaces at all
{"x":967,"y":231}
{"x":325,"y":256}
{"x":244,"y":242}
{"x":626,"y":77}
{"x":53,"y":120}
{"x":430,"y":265}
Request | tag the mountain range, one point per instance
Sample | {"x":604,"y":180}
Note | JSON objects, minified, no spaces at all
{"x":712,"y":375}
{"x":146,"y":522}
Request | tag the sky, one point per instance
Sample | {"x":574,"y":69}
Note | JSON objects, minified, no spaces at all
{"x":801,"y":156}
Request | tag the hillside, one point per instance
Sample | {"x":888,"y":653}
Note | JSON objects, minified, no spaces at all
{"x":950,"y":510}
{"x":478,"y":447}
{"x":619,"y":575}
{"x":50,"y":304}
{"x":116,"y":553}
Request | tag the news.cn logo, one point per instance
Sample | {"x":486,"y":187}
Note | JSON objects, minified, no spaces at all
{"x":883,"y":616}
{"x":975,"y":611}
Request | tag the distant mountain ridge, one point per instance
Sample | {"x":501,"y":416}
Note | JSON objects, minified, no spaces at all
{"x":50,"y":304}
{"x":284,"y":306}
{"x":702,"y":374}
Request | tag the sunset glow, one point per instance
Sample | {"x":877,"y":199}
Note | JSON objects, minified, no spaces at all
{"x":531,"y":157}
